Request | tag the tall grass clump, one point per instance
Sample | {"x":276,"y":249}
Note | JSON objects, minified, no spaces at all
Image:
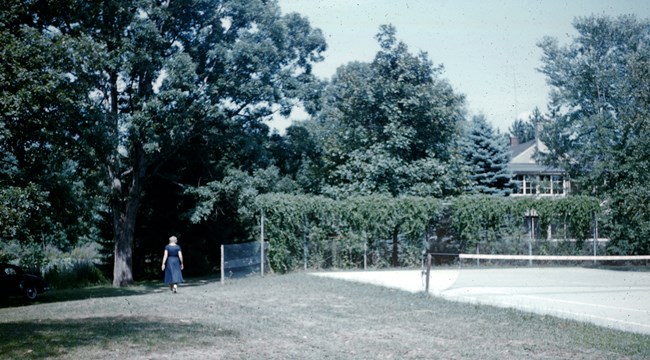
{"x":74,"y":269}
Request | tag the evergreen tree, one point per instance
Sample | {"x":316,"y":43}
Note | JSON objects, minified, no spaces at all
{"x":526,"y":130}
{"x":522,"y":130}
{"x":485,"y":152}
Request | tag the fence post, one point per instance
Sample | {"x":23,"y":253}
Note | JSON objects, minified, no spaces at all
{"x":365,"y":255}
{"x":262,"y":242}
{"x":304,"y":243}
{"x":530,"y":242}
{"x":428,"y":274}
{"x":595,"y":245}
{"x":223,"y":273}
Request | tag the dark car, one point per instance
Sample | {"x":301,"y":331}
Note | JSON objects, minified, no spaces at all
{"x":15,"y":282}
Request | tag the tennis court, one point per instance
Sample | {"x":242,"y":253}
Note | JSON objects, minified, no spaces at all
{"x":610,"y":298}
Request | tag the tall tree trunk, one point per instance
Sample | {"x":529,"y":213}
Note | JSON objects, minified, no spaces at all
{"x":395,"y":247}
{"x":124,"y":220}
{"x":124,"y":231}
{"x":126,"y":190}
{"x":125,"y":203}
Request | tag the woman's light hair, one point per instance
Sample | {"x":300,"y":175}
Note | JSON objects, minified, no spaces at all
{"x":173,"y":239}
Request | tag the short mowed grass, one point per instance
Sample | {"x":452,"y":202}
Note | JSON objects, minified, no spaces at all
{"x":294,"y":316}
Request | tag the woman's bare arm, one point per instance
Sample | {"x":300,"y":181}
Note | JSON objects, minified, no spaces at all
{"x":164,"y":260}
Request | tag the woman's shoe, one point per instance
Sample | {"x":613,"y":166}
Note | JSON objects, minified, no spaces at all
{"x":175,"y":289}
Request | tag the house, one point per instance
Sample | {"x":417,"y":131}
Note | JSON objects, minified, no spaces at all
{"x":532,"y":178}
{"x":535,"y":179}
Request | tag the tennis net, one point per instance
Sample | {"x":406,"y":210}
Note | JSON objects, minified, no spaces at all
{"x":496,"y":260}
{"x":493,"y":270}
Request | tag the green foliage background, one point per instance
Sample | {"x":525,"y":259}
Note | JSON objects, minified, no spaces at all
{"x":597,"y":127}
{"x":89,"y":145}
{"x":348,"y":224}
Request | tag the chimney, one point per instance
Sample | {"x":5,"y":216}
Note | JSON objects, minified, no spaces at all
{"x":514,"y":141}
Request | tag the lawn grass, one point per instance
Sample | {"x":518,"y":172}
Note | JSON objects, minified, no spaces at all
{"x":295,"y":316}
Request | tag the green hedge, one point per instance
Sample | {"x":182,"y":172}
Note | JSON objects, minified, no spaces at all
{"x":486,"y":219}
{"x":339,"y":232}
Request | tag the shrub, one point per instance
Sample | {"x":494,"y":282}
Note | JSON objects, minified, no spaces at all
{"x":78,"y":274}
{"x":73,"y":269}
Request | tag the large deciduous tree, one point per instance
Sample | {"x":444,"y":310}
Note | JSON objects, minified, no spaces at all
{"x":47,"y":179}
{"x":599,"y":122}
{"x":158,"y":75}
{"x":298,"y":155}
{"x":387,"y":126}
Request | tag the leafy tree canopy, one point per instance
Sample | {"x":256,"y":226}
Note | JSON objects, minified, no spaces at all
{"x":598,"y":127}
{"x":48,"y":172}
{"x":387,"y":126}
{"x":133,"y":83}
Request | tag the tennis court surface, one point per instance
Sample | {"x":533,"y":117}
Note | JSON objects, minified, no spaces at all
{"x":610,"y":298}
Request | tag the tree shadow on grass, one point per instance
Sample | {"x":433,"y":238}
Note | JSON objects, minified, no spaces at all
{"x":103,"y":291}
{"x":61,"y":338}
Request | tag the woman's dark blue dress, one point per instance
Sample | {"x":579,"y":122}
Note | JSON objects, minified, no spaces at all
{"x":173,"y":273}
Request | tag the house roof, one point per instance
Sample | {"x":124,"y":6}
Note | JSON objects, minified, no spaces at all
{"x":526,"y":169}
{"x":523,"y":161}
{"x":518,"y":149}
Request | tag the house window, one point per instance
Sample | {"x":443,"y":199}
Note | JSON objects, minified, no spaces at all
{"x":545,"y":185}
{"x":542,"y":184}
{"x":530,"y":184}
{"x":526,"y":184}
{"x":558,"y":184}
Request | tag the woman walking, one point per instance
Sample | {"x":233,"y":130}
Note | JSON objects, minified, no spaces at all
{"x":172,"y":264}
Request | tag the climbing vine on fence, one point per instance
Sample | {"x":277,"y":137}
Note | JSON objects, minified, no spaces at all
{"x":484,"y":218}
{"x":370,"y":221}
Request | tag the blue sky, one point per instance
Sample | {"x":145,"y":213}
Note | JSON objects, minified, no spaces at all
{"x":488,"y":48}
